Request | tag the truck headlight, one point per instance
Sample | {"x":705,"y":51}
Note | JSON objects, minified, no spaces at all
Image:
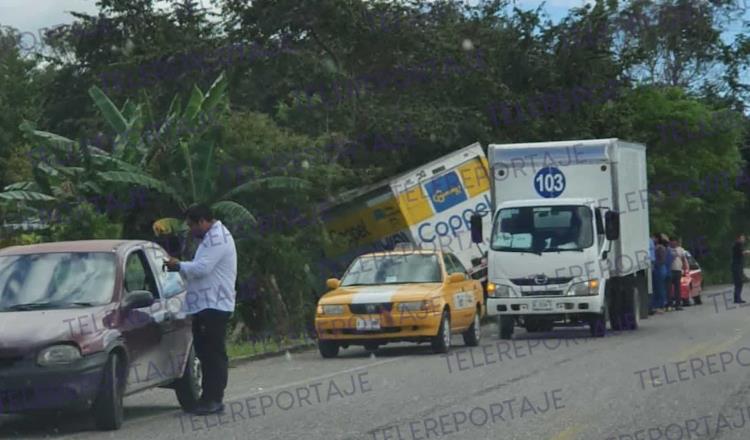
{"x":498,"y":290}
{"x":58,"y":355}
{"x":331,"y":309}
{"x":586,"y":288}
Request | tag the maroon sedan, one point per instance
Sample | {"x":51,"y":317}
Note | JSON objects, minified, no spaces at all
{"x":84,"y":323}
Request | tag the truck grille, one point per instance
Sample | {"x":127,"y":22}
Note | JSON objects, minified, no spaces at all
{"x":531,"y":282}
{"x":370,"y":309}
{"x":543,"y":293}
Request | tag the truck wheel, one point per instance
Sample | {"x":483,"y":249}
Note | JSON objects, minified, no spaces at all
{"x":441,"y":342}
{"x":328,"y":349}
{"x":188,"y":387}
{"x":598,"y":325}
{"x":506,"y":326}
{"x":615,"y":307}
{"x":108,"y":408}
{"x":474,"y":333}
{"x":631,"y":317}
{"x":547,"y":325}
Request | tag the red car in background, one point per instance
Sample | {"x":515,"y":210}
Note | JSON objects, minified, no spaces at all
{"x":692,"y":282}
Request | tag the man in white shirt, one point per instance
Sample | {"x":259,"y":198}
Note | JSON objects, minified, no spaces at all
{"x":211,"y":278}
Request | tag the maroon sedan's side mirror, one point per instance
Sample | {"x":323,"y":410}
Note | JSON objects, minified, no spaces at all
{"x":137,"y":299}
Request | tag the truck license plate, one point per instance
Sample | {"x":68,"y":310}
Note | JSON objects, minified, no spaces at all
{"x":368,"y":324}
{"x":541,"y":305}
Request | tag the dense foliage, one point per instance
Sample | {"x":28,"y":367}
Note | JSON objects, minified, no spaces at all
{"x":287,"y":103}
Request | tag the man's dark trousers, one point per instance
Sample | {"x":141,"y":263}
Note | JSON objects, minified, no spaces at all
{"x":737,"y":280}
{"x":209,"y":336}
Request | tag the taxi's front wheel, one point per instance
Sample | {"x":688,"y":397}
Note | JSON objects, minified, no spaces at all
{"x":474,"y":333}
{"x":328,"y":349}
{"x":441,"y":343}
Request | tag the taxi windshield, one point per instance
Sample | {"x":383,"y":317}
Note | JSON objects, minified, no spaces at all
{"x":393,"y":269}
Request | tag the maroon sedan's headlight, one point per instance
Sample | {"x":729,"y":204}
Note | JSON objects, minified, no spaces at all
{"x":62,"y":354}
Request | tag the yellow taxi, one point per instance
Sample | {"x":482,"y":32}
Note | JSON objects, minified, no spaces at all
{"x":414,"y":296}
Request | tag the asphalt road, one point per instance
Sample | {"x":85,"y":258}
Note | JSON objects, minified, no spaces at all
{"x":560,"y":385}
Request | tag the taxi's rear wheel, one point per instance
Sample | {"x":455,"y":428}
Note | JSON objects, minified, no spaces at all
{"x":474,"y":333}
{"x":441,"y":343}
{"x":328,"y":349}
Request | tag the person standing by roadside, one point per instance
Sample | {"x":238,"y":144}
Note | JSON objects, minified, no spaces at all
{"x":738,"y":263}
{"x":211,"y":278}
{"x":668,"y":277}
{"x":678,"y":267}
{"x":652,"y":261}
{"x":659,"y":275}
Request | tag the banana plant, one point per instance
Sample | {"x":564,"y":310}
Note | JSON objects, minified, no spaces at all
{"x":177,"y":159}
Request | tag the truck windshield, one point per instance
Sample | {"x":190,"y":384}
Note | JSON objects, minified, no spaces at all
{"x":393,"y":269}
{"x":56,"y":280}
{"x":543,"y":229}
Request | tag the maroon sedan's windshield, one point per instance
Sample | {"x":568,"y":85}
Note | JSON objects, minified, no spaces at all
{"x":56,"y":280}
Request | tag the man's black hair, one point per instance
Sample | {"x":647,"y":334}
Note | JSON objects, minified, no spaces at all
{"x":199,"y":211}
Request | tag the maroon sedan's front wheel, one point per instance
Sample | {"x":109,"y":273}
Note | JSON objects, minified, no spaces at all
{"x":108,"y":407}
{"x":188,"y":388}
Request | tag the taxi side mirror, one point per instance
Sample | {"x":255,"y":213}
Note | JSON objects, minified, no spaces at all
{"x":456,"y":277}
{"x":333,"y":283}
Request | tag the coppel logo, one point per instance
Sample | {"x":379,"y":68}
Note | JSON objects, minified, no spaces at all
{"x":446,"y":191}
{"x":549,"y":182}
{"x":428,"y":231}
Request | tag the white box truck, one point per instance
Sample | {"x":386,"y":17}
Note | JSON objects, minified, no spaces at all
{"x":427,"y":207}
{"x":569,"y":244}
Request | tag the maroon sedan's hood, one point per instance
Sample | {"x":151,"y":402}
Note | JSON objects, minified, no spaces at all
{"x":25,"y":331}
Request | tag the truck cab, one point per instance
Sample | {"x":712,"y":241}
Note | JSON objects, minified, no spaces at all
{"x":562,"y":251}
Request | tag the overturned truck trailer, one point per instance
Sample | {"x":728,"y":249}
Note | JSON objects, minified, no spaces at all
{"x":428,"y":207}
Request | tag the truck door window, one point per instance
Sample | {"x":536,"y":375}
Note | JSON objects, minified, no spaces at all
{"x":599,"y":222}
{"x":599,"y":227}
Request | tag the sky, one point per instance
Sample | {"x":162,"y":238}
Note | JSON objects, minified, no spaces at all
{"x":22,"y":15}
